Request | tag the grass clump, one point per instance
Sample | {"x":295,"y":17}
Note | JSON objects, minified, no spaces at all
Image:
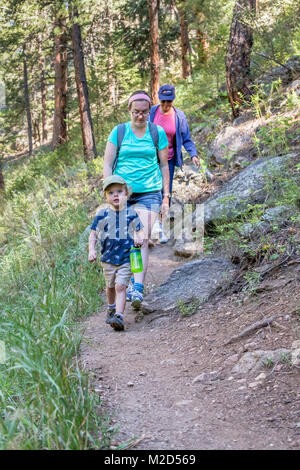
{"x":46,"y":285}
{"x":189,"y":308}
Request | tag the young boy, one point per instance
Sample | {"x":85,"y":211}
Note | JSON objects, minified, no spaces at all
{"x":119,"y":228}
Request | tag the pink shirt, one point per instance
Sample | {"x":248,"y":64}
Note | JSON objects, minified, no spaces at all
{"x":167,"y":122}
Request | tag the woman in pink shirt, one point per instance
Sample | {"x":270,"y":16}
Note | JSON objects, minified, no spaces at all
{"x":175,"y":125}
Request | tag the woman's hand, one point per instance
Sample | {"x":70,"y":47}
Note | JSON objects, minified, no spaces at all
{"x":196,"y":162}
{"x":139,"y":238}
{"x":165,"y":206}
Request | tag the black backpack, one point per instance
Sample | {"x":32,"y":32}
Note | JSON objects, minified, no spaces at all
{"x":120,"y":136}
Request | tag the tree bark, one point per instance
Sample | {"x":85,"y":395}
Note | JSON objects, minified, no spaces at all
{"x":202,"y":43}
{"x":185,"y":43}
{"x":27,"y":102}
{"x":111,"y":75}
{"x":43,"y":91}
{"x":238,"y":56}
{"x":154,"y":49}
{"x":203,"y":47}
{"x":60,"y":85}
{"x":89,"y":146}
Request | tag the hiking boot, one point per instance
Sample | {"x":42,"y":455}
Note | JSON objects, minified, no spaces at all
{"x":117,"y":322}
{"x":129,"y":291}
{"x":136,"y":299}
{"x":109,"y":314}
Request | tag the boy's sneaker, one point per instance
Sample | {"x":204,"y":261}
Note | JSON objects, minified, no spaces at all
{"x":117,"y":322}
{"x":129,"y":292}
{"x":136,"y":299}
{"x":109,"y":314}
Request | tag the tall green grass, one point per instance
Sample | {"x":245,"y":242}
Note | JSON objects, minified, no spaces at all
{"x":46,"y":285}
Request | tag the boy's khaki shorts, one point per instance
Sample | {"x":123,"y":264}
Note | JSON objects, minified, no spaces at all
{"x":115,"y":273}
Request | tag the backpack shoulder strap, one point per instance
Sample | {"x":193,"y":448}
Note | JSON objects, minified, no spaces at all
{"x":120,"y":136}
{"x":154,"y":134}
{"x":155,"y":137}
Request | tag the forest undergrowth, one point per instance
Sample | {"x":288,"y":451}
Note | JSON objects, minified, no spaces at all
{"x":47,"y":286}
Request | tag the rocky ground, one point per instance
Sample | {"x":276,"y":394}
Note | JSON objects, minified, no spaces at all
{"x":171,"y":381}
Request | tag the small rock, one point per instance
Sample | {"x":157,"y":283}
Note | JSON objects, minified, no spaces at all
{"x":253,"y":384}
{"x":130,"y":384}
{"x":261,"y":376}
{"x":250,"y":346}
{"x":242,"y":381}
{"x":206,"y":377}
{"x":142,"y":374}
{"x":184,"y":402}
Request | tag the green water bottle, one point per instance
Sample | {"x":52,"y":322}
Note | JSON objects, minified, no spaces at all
{"x":136,"y":262}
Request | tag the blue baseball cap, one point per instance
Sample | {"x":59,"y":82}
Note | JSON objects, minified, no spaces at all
{"x":166,"y":92}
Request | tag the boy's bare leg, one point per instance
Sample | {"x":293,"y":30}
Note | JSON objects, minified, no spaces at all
{"x":111,"y":295}
{"x":120,"y":290}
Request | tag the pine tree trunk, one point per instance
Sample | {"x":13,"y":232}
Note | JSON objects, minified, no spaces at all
{"x":154,"y":49}
{"x":185,"y":43}
{"x":60,"y":85}
{"x":202,"y":43}
{"x":111,"y":75}
{"x":43,"y":91}
{"x":89,"y":147}
{"x":27,"y":103}
{"x":238,"y":56}
{"x":203,"y":47}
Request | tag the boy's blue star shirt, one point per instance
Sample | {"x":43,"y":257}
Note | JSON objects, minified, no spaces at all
{"x":115,"y":230}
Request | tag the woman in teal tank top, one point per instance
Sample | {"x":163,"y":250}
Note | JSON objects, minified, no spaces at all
{"x":145,"y":169}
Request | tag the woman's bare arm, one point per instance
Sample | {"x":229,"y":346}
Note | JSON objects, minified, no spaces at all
{"x":164,"y":168}
{"x":109,"y":158}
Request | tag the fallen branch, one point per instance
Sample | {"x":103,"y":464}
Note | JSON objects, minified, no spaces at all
{"x":253,"y":327}
{"x":274,"y":266}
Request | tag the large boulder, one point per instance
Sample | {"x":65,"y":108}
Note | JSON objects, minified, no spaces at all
{"x":247,"y":188}
{"x":234,"y":145}
{"x":253,"y":361}
{"x":197,"y":279}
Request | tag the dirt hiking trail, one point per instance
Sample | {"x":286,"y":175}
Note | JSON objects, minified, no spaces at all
{"x":166,"y":381}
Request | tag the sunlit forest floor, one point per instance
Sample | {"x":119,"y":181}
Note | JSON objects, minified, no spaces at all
{"x":68,"y":381}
